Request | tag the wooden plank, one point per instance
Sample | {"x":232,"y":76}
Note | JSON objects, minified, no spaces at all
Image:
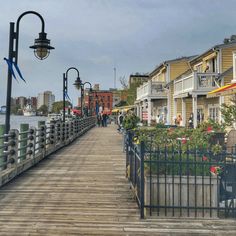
{"x":82,"y":190}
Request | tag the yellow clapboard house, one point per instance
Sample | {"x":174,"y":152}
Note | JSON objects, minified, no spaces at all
{"x":208,"y":71}
{"x":154,"y":96}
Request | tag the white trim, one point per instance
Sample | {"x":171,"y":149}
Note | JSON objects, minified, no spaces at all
{"x":175,"y":107}
{"x":149,"y":111}
{"x":194,"y":110}
{"x":234,"y":67}
{"x":213,"y":106}
{"x":183,"y":111}
{"x":198,"y":64}
{"x":219,"y":60}
{"x":168,"y":79}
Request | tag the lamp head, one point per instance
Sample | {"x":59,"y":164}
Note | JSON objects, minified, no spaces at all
{"x":42,"y":46}
{"x":78,"y":83}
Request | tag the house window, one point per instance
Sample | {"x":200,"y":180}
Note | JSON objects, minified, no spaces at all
{"x":200,"y":115}
{"x":212,"y":65}
{"x":213,"y":112}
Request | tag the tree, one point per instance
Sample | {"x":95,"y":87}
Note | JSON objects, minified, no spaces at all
{"x":58,"y":106}
{"x":121,"y":103}
{"x":43,"y":109}
{"x":229,"y":112}
{"x":123,"y":82}
{"x":15,"y":109}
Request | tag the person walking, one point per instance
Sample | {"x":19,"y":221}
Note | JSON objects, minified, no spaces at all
{"x":99,"y":119}
{"x":120,"y":121}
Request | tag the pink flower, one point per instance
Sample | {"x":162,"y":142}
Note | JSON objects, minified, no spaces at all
{"x":216,"y":170}
{"x":184,"y":140}
{"x":204,"y":158}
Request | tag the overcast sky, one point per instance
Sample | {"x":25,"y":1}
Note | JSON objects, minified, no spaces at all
{"x":97,"y":35}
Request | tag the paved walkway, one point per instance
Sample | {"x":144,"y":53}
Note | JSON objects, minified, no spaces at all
{"x":82,"y":190}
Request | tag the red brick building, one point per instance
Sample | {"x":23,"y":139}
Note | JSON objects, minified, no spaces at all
{"x":98,"y":98}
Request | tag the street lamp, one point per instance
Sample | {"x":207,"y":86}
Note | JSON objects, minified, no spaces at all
{"x":41,"y":50}
{"x":65,"y":88}
{"x":79,"y":85}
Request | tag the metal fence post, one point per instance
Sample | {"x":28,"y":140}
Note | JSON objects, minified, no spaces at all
{"x":127,"y":149}
{"x":142,"y":151}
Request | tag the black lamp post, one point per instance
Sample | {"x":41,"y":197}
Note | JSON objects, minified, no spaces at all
{"x":90,"y":90}
{"x":79,"y":85}
{"x":41,"y":50}
{"x":65,"y":88}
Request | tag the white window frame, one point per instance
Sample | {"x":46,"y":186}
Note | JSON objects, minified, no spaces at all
{"x":216,"y":113}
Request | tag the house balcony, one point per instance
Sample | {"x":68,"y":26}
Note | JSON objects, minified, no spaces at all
{"x":195,"y":83}
{"x":151,"y":90}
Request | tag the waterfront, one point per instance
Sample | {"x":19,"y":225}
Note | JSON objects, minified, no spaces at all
{"x":17,"y":120}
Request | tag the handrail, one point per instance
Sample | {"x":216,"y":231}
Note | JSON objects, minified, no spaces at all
{"x":24,"y":149}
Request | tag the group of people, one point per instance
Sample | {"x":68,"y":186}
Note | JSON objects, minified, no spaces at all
{"x":102,"y":119}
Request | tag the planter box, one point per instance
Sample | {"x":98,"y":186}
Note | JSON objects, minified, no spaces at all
{"x":171,"y":192}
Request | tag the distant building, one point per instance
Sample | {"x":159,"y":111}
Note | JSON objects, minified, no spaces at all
{"x":98,"y":98}
{"x":20,"y":101}
{"x":33,"y":102}
{"x":137,"y":78}
{"x":96,"y":87}
{"x":46,"y":98}
{"x":116,"y":96}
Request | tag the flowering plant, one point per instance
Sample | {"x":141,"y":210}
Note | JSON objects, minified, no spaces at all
{"x":216,"y":170}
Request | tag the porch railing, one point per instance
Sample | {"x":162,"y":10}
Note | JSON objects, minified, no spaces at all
{"x":151,"y":89}
{"x":20,"y":150}
{"x":170,"y":181}
{"x":198,"y":82}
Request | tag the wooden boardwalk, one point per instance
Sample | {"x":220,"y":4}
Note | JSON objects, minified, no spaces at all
{"x":82,"y":190}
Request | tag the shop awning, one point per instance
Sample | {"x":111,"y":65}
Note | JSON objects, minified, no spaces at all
{"x":227,"y":89}
{"x":124,"y":108}
{"x":115,"y":110}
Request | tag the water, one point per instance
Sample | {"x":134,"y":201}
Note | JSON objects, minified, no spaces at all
{"x":17,"y":120}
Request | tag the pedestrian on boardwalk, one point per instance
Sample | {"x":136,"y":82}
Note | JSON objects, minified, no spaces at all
{"x":120,"y":121}
{"x":104,"y":119}
{"x":99,"y":119}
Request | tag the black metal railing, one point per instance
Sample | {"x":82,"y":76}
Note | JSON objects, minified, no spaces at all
{"x":172,"y":180}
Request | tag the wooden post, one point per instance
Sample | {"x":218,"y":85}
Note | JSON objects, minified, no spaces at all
{"x":23,"y":143}
{"x":42,"y":128}
{"x":2,"y":158}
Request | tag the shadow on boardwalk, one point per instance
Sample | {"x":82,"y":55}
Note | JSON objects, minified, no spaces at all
{"x":82,"y":190}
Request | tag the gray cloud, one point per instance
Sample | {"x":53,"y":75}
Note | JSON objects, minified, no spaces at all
{"x":96,"y":35}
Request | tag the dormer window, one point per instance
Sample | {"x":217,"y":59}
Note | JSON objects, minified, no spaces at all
{"x":212,"y":65}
